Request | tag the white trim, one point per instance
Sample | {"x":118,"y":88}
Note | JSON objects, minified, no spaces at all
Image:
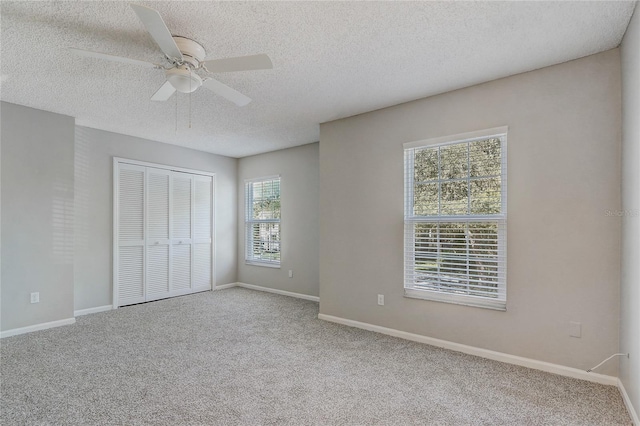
{"x":456,"y":218}
{"x":276,"y":291}
{"x":484,"y":353}
{"x":162,"y":166}
{"x":258,"y":179}
{"x":95,"y":310}
{"x":456,"y":299}
{"x":460,"y":137}
{"x":264,"y":264}
{"x":627,"y":402}
{"x":214,"y":238}
{"x":37,"y":327}
{"x":114,"y":239}
{"x":224,"y":286}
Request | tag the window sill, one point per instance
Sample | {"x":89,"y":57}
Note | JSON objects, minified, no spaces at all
{"x":476,"y":302}
{"x":264,"y":264}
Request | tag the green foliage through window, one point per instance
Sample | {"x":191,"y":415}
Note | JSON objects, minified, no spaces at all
{"x":458,"y":179}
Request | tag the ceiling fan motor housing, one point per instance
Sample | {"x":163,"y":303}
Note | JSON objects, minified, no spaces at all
{"x":192,"y":52}
{"x":182,"y":77}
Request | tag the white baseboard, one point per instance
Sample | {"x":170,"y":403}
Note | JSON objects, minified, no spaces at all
{"x":627,"y":402}
{"x":484,"y":353}
{"x":36,"y":327}
{"x":276,"y":291}
{"x":92,"y":310}
{"x":223,"y":286}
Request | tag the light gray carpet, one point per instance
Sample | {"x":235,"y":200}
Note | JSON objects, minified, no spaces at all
{"x":238,"y":356}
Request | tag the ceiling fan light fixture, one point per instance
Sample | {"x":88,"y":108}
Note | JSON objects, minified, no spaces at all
{"x":184,"y":80}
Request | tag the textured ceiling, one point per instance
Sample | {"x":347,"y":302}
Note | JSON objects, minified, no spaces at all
{"x":331,"y":60}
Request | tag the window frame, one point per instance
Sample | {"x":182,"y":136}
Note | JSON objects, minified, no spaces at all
{"x":410,"y":220}
{"x":249,"y":222}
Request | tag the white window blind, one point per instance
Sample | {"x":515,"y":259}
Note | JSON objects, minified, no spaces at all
{"x":455,"y":219}
{"x":262,"y":220}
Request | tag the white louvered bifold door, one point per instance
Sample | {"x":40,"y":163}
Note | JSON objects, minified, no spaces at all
{"x":163,"y":233}
{"x":181,"y":231}
{"x":129,"y":271}
{"x":202,"y":229}
{"x":158,"y":190}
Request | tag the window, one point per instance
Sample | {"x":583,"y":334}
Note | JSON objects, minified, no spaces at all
{"x":455,"y":219}
{"x":262,"y":221}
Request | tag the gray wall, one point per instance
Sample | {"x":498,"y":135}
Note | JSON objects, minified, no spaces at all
{"x":563,"y":251}
{"x":299,"y":171}
{"x":37,"y":216}
{"x":630,"y":287}
{"x":94,"y":152}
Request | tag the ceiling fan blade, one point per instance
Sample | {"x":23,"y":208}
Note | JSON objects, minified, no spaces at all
{"x":164,"y":92}
{"x":158,"y":30}
{"x":241,"y":63}
{"x":99,"y":55}
{"x":226,"y":92}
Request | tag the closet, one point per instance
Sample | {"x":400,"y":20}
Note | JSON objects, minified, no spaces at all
{"x":163,"y":228}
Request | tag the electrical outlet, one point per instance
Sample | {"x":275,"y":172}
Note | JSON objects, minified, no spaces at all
{"x":290,"y":273}
{"x":575,"y":329}
{"x":35,"y":297}
{"x":381,"y":299}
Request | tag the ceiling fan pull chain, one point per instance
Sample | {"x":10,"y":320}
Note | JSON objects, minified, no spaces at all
{"x":176,"y":113}
{"x":190,"y":92}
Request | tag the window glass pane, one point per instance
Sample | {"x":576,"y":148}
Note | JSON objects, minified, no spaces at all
{"x":425,"y":199}
{"x":483,"y":258}
{"x":265,"y":203}
{"x":453,"y":161}
{"x":426,"y":252}
{"x":454,"y":198}
{"x":453,"y":254}
{"x":425,"y":165}
{"x":484,"y":158}
{"x":485,"y":196}
{"x":265,"y":241}
{"x":457,"y":257}
{"x":266,"y":209}
{"x":426,"y":242}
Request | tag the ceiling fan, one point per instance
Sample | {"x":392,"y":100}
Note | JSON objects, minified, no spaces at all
{"x":187,"y":61}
